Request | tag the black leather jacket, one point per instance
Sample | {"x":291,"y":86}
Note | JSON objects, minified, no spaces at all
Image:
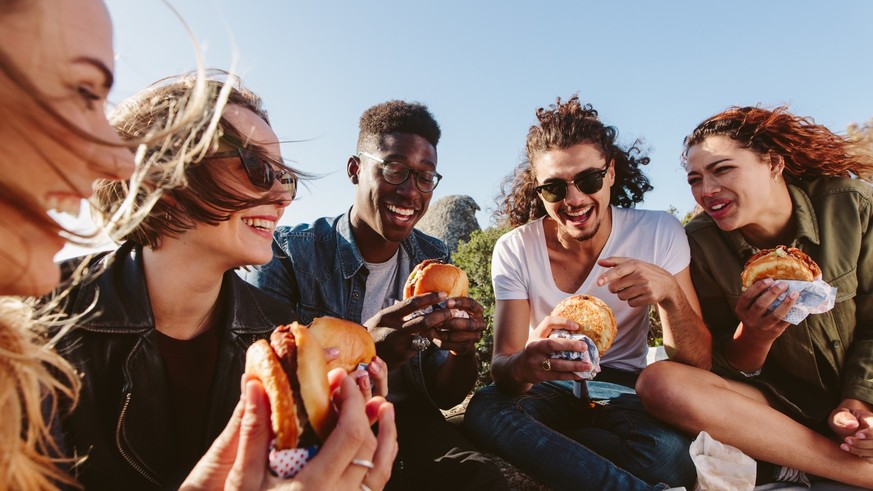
{"x":122,"y":419}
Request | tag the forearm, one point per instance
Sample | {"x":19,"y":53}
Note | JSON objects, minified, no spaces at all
{"x":686,"y":338}
{"x":454,"y":379}
{"x":745,"y":351}
{"x":505,"y":374}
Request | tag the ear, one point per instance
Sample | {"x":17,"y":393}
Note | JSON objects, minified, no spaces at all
{"x":353,"y":168}
{"x":611,"y":172}
{"x":777,"y":164}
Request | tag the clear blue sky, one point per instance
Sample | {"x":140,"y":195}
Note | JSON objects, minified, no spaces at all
{"x":652,"y":69}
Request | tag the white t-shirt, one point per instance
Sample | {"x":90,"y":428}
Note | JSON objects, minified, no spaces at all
{"x":520,"y":270}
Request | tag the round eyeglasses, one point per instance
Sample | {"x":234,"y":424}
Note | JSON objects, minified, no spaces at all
{"x":396,"y":173}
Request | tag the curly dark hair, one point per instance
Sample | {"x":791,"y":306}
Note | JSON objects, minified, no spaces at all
{"x":561,"y":126}
{"x":396,"y":116}
{"x":809,"y":150}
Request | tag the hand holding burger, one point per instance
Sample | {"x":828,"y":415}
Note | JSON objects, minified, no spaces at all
{"x":356,"y":353}
{"x":597,"y":328}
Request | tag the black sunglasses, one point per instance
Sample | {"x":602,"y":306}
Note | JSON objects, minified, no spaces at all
{"x":585,"y":182}
{"x":261,"y":173}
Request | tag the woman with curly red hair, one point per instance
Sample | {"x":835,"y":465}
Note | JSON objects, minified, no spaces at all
{"x":790,"y":396}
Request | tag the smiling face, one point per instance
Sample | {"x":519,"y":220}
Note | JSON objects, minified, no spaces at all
{"x":246,"y":237}
{"x":384,"y":214}
{"x":63,"y":49}
{"x":735,"y":185}
{"x":578,"y":216}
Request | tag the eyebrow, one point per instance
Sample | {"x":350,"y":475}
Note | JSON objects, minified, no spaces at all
{"x":109,"y":79}
{"x":401,"y":159}
{"x":710,"y":165}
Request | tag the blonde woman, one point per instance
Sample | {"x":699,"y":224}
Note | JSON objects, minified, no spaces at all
{"x":56,"y":66}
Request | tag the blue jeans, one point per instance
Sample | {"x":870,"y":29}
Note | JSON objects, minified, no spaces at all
{"x":565,"y":443}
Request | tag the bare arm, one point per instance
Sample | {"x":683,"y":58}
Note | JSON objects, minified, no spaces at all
{"x":639,"y":283}
{"x":686,"y":338}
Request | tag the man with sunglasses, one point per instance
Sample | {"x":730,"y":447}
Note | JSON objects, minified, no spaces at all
{"x":355,"y":267}
{"x":576,"y":232}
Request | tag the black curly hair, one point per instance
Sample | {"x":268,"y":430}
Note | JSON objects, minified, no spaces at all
{"x":400,"y":117}
{"x":561,"y":126}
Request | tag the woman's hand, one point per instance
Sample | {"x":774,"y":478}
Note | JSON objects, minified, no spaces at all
{"x":752,"y":310}
{"x":535,"y":363}
{"x":852,"y":421}
{"x":373,"y":381}
{"x":351,"y":458}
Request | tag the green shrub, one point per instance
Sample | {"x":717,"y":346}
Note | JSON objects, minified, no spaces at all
{"x":474,"y":257}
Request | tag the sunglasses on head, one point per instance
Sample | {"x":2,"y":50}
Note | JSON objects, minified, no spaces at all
{"x":261,"y":173}
{"x":586,"y":182}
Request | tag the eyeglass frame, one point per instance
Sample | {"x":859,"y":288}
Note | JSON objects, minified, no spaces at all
{"x":409,"y":171}
{"x":578,"y":181}
{"x":272,"y":174}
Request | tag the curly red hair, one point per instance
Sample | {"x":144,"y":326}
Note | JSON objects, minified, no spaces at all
{"x":809,"y":150}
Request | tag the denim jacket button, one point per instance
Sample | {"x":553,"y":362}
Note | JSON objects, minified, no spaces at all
{"x":835,"y":343}
{"x":356,"y":295}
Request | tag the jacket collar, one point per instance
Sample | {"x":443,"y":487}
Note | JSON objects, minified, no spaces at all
{"x":351,"y":260}
{"x":123,"y":298}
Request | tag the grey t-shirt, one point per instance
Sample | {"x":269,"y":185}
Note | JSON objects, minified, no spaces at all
{"x":385,"y":283}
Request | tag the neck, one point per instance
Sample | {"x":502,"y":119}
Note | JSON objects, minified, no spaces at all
{"x":374,"y":248}
{"x":776,"y":226}
{"x":181,"y":303}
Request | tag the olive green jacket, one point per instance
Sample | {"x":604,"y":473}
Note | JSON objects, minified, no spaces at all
{"x":828,"y":357}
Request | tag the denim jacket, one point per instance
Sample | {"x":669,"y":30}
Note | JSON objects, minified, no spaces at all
{"x":827,"y":357}
{"x":319,"y":269}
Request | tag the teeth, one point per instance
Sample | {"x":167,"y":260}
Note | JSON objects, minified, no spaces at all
{"x":260,"y":223}
{"x":718,"y":206}
{"x":64,"y":204}
{"x":579,"y":213}
{"x":401,"y":211}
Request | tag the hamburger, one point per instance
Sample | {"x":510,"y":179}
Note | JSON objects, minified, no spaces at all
{"x":433,"y":275}
{"x":293,"y":371}
{"x":594,"y":317}
{"x":355,"y":345}
{"x":779,"y":263}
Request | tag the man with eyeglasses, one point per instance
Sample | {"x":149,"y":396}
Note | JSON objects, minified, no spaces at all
{"x":355,"y":267}
{"x":576,"y":232}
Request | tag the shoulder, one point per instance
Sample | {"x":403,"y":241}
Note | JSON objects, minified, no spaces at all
{"x":276,"y":310}
{"x":700,"y":225}
{"x":323,"y":226}
{"x":429,"y":247}
{"x":837,"y":187}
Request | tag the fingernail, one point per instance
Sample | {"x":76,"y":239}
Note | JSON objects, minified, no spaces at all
{"x":333,"y":352}
{"x":443,"y":296}
{"x":844,"y":447}
{"x":375,"y":368}
{"x":793,"y":295}
{"x":768,"y":281}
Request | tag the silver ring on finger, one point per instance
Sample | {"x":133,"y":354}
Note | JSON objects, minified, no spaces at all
{"x":420,"y":343}
{"x":546,"y":364}
{"x":363,"y":463}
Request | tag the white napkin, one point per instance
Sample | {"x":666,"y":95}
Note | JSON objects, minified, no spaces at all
{"x":816,"y":297}
{"x":721,"y":466}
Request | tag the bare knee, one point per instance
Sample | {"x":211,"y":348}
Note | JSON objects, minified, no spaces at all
{"x":667,"y":389}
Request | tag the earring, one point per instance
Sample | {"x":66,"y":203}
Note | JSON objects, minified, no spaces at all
{"x":167,"y":216}
{"x":776,"y":178}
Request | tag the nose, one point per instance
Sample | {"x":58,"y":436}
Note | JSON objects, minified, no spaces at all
{"x":574,"y":196}
{"x":282,"y":194}
{"x":709,"y":186}
{"x":408,"y":188}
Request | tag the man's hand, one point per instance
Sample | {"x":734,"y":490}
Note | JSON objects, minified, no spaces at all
{"x":531,"y":362}
{"x":459,"y":334}
{"x":393,"y":335}
{"x":852,"y":421}
{"x":637,"y":282}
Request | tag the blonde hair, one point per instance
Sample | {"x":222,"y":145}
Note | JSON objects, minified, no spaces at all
{"x":34,"y":379}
